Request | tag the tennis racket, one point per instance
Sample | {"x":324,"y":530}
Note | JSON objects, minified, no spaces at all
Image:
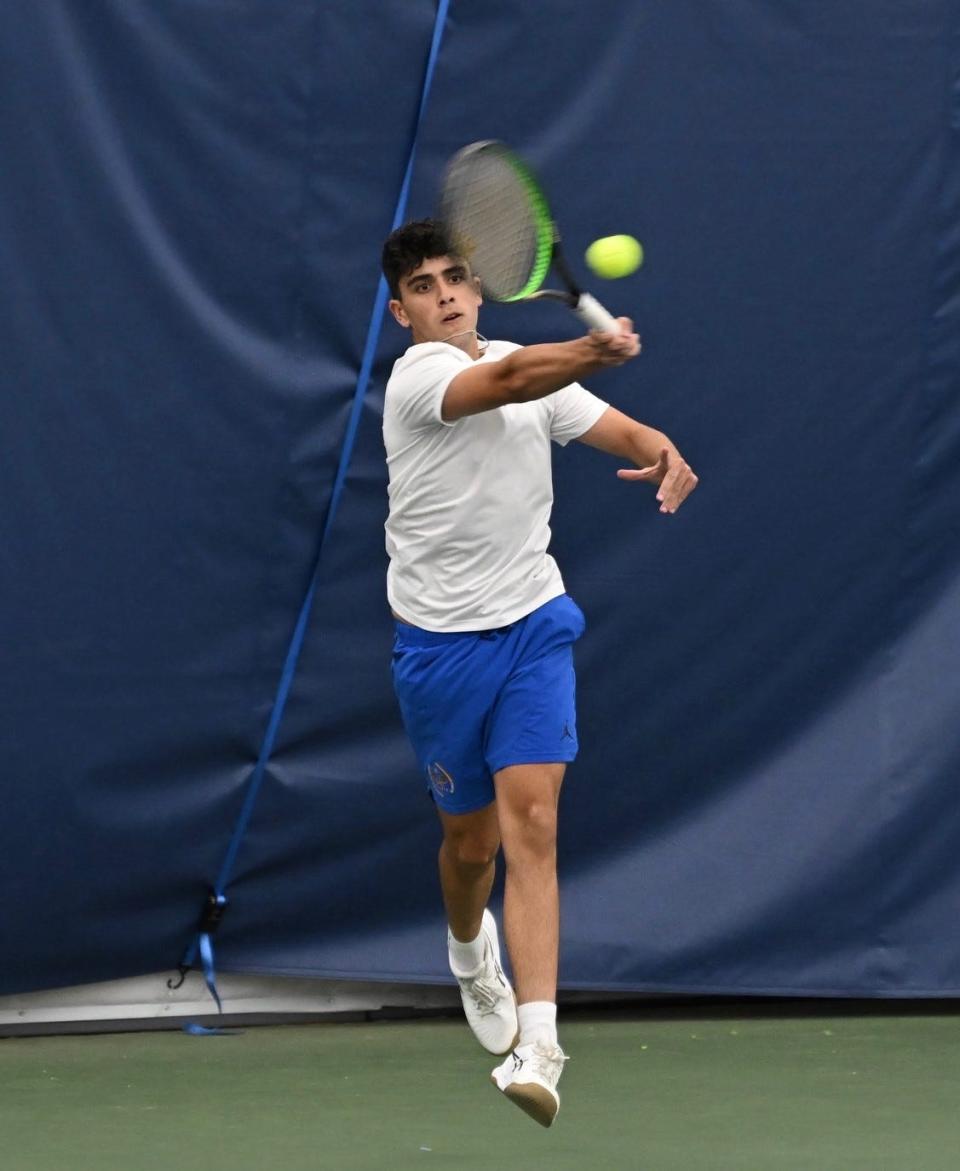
{"x":500,"y":223}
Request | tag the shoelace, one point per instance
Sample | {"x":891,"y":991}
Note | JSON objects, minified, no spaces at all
{"x":484,"y":993}
{"x":546,"y":1063}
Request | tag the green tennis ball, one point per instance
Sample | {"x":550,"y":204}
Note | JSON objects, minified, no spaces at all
{"x":614,"y":256}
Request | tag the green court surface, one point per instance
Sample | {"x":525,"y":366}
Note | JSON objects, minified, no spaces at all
{"x":755,"y":1088}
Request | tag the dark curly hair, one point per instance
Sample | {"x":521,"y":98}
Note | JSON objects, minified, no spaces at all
{"x":409,"y":246}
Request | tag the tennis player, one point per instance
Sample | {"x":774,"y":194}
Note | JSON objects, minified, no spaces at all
{"x":483,"y":652}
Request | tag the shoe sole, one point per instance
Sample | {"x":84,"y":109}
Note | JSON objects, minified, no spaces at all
{"x":533,"y":1100}
{"x":513,"y":1044}
{"x":501,"y":1052}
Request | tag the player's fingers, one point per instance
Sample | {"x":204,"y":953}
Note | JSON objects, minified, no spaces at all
{"x":639,"y":473}
{"x":607,"y":347}
{"x":625,"y":345}
{"x":666,"y":493}
{"x":619,"y":339}
{"x":676,"y":487}
{"x":676,"y":483}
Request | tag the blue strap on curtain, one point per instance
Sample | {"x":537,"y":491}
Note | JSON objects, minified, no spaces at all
{"x":217,"y":900}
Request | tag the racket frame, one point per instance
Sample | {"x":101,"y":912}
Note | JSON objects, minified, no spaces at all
{"x":549,"y":251}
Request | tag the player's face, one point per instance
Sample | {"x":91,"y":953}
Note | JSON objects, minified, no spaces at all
{"x":438,"y":300}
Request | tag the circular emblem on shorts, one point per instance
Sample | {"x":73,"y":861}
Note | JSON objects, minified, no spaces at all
{"x":440,"y":779}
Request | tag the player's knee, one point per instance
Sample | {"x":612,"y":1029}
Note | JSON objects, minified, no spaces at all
{"x":535,"y":828}
{"x":473,"y":852}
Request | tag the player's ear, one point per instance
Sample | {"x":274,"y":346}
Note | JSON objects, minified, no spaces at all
{"x":399,"y":313}
{"x":477,"y":286}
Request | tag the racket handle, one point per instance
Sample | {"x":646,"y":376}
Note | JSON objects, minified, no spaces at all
{"x":593,"y":314}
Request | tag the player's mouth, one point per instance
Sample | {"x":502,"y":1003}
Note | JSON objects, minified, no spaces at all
{"x":451,"y":317}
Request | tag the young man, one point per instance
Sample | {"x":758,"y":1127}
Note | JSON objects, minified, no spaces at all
{"x":482,"y":663}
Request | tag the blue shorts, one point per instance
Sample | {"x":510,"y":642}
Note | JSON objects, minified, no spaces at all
{"x":476,"y":702}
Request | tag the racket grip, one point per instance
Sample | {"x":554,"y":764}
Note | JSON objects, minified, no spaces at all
{"x":593,"y":314}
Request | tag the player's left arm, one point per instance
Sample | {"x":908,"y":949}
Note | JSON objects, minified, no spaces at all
{"x":657,"y":459}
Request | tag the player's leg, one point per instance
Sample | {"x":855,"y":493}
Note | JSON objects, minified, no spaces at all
{"x":446,"y":685}
{"x":467,"y":865}
{"x":467,"y":861}
{"x":532,"y":735}
{"x":527,"y":797}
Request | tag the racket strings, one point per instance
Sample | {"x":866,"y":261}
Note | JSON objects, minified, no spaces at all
{"x":493,"y":220}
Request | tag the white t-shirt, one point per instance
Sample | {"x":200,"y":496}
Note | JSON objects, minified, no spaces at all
{"x":470,"y":501}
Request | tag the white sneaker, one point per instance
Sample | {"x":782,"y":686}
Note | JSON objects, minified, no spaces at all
{"x":487,"y":997}
{"x":529,"y":1077}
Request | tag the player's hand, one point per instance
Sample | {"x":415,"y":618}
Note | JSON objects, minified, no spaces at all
{"x":672,"y":473}
{"x":613,"y":349}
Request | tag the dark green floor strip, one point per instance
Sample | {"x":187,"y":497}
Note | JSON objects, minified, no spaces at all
{"x":653,"y":1091}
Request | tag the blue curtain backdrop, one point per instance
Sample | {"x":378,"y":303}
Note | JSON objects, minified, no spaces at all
{"x":192,"y":202}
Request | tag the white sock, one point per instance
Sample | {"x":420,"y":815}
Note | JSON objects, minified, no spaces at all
{"x":465,"y":958}
{"x":538,"y":1023}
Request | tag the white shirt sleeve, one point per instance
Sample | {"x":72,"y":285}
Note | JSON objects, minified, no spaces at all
{"x":574,"y":410}
{"x":420,"y":380}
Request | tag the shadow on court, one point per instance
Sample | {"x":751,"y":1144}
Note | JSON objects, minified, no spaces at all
{"x":811,"y":1087}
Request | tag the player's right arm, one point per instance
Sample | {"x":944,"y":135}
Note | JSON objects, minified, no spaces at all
{"x":533,"y":372}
